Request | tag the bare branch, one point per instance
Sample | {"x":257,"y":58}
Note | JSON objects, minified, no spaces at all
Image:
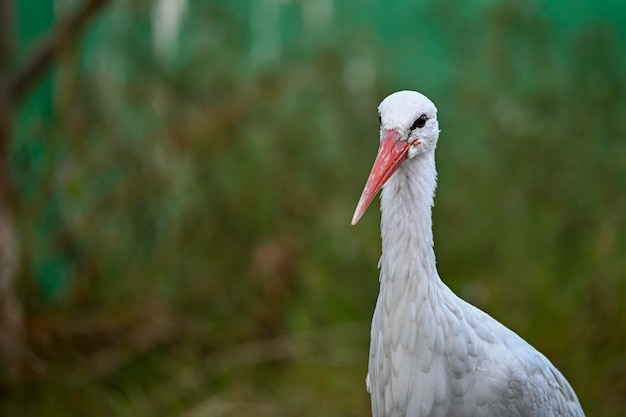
{"x":48,"y":49}
{"x":10,"y":309}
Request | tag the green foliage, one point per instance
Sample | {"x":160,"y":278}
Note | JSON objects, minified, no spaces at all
{"x":186,"y":233}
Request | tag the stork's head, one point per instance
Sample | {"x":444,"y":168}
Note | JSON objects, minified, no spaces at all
{"x":408,"y":129}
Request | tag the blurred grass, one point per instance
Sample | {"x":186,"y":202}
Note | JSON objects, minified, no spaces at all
{"x":186,"y":239}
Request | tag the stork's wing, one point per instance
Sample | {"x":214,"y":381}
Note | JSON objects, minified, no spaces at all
{"x":537,"y":388}
{"x":462,"y":363}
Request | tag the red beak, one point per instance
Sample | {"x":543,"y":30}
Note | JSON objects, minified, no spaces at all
{"x":391,"y":154}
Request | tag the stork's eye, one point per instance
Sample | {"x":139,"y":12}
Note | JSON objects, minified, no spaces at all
{"x":419,"y":122}
{"x":380,"y":120}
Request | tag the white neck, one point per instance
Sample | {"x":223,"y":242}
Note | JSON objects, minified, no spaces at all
{"x":406,"y":226}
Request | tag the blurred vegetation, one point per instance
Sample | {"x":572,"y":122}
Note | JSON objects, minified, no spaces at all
{"x":185,"y":197}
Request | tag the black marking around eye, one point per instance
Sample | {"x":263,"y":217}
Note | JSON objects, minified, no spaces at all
{"x":419,"y":122}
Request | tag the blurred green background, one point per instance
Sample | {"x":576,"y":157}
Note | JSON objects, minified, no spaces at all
{"x":187,"y":171}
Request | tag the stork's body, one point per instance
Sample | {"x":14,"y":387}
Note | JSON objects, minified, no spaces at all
{"x":433,"y":354}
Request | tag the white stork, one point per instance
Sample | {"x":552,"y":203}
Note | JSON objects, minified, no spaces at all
{"x":431,"y":353}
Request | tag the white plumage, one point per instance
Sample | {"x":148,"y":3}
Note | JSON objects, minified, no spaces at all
{"x":431,"y":353}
